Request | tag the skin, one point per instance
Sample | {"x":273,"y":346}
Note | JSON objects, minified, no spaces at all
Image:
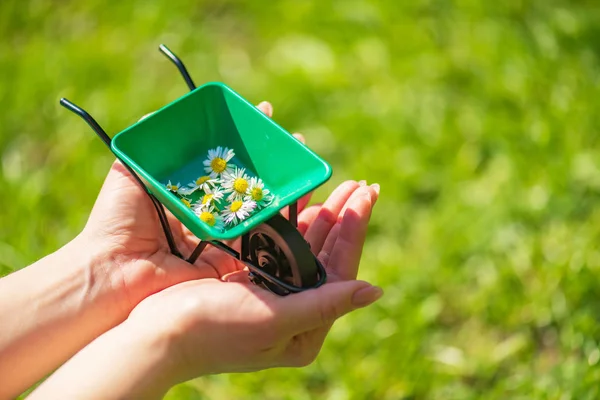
{"x":212,"y":325}
{"x":117,"y":292}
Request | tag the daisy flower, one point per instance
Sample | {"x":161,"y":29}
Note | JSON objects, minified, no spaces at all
{"x":237,"y":211}
{"x":187,"y":202}
{"x":212,"y":196}
{"x":217,"y":161}
{"x":185,"y":191}
{"x":173,"y":187}
{"x":204,"y":182}
{"x":256,"y":192}
{"x":210,"y":217}
{"x":236,"y":184}
{"x":177,"y":188}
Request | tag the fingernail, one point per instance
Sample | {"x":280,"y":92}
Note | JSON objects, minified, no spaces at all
{"x":362,"y":183}
{"x":300,"y":137}
{"x":267,"y":106}
{"x":376,"y":188}
{"x":365,"y":296}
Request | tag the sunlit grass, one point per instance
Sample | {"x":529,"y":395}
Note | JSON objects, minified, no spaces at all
{"x":478,"y":119}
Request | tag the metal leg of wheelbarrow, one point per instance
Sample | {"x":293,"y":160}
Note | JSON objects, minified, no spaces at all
{"x":197,"y":251}
{"x":245,"y":247}
{"x":259,"y":274}
{"x":245,"y":239}
{"x":293,"y":214}
{"x":160,"y":210}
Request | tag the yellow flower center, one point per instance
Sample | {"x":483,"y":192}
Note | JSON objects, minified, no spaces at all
{"x":257,"y":194}
{"x":202,"y":180}
{"x":208,"y":217}
{"x":173,"y":188}
{"x":207,"y":198}
{"x":235,"y":206}
{"x":240,"y":185}
{"x":186,"y":202}
{"x":218,"y":164}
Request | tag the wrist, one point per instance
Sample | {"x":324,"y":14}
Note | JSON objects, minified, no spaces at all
{"x":123,"y":363}
{"x":123,"y":276}
{"x":98,"y":277}
{"x":153,"y":353}
{"x":146,"y":366}
{"x":68,"y":302}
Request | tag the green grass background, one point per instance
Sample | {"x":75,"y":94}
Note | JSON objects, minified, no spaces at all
{"x":480,"y":120}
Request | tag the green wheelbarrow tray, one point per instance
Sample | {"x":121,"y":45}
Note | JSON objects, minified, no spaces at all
{"x":172,"y":143}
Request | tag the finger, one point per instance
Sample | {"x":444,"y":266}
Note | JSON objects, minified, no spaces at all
{"x":301,"y":205}
{"x":325,"y":253}
{"x":300,"y":137}
{"x":334,"y":232}
{"x":131,"y":189}
{"x":345,"y":255}
{"x":329,"y":244}
{"x":305,"y":199}
{"x":363,"y":189}
{"x":307,"y":216}
{"x":376,"y":188}
{"x":146,"y":116}
{"x":238,"y":277}
{"x":316,"y":308}
{"x":303,"y":202}
{"x":121,"y":183}
{"x":328,"y":215}
{"x":266,"y":108}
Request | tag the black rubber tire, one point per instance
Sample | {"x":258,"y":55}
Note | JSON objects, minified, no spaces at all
{"x":279,"y":249}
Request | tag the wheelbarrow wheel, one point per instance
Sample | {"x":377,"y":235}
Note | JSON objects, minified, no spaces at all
{"x":278,"y":249}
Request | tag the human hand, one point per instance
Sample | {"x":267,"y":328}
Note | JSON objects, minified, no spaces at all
{"x":231,"y":325}
{"x":129,"y":242}
{"x":212,"y":325}
{"x":120,"y":258}
{"x":224,"y":323}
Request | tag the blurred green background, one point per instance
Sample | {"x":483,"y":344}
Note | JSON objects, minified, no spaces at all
{"x":478,"y":118}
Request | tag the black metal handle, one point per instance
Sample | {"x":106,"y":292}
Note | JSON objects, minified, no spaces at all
{"x":88,"y":118}
{"x":162,"y":216}
{"x":182,"y":69}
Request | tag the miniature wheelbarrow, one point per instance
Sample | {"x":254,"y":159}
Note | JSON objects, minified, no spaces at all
{"x":172,"y":142}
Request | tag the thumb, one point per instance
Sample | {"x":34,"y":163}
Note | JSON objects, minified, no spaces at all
{"x":320,"y":307}
{"x":266,"y":108}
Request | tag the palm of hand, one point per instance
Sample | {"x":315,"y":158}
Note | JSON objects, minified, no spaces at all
{"x":263,"y":330}
{"x":125,"y":221}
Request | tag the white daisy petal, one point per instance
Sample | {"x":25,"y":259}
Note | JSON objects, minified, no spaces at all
{"x":187,"y":202}
{"x":210,"y":217}
{"x":237,"y":211}
{"x":204,"y":183}
{"x":217,"y":162}
{"x":236,"y":184}
{"x":185,"y":191}
{"x":212,"y":196}
{"x":172,"y":187}
{"x":258,"y":193}
{"x":199,"y":207}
